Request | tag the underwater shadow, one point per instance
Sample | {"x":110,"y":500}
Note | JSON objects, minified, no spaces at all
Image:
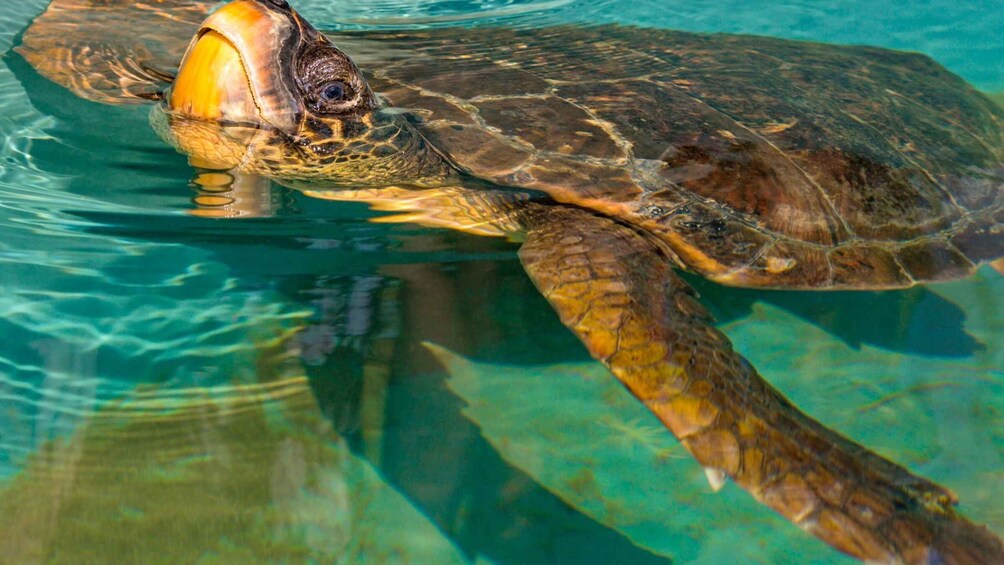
{"x":894,"y":320}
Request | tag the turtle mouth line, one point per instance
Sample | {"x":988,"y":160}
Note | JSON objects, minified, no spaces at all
{"x":248,"y":83}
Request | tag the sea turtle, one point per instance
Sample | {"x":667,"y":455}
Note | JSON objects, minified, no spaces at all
{"x":617,"y":156}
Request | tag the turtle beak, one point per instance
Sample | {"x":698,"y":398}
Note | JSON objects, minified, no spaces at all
{"x":237,"y":66}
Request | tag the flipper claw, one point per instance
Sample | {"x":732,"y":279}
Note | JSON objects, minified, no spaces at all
{"x":716,"y":478}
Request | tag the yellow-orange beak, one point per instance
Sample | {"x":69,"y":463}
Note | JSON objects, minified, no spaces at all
{"x":232,"y":69}
{"x":212,"y":83}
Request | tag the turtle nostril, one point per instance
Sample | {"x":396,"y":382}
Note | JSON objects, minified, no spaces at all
{"x":280,"y":4}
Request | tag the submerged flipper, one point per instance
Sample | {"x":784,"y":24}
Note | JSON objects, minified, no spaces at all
{"x":113,"y":51}
{"x":615,"y":288}
{"x":998,"y":266}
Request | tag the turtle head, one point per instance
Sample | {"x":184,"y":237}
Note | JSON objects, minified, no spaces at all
{"x":262,"y":89}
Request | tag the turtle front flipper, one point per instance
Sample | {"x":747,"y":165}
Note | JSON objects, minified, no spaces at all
{"x":113,"y":51}
{"x":615,"y":288}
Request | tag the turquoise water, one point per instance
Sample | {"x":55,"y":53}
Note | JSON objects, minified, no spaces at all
{"x":174,"y":388}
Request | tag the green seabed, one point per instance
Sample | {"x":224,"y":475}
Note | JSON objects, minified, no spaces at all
{"x":574,"y":429}
{"x":251,"y":472}
{"x":233,"y":474}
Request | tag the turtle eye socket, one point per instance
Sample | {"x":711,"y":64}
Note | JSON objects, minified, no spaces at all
{"x":329,"y":83}
{"x":336,"y":91}
{"x":333,"y":96}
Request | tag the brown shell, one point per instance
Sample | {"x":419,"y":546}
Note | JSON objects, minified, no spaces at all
{"x":760,"y":161}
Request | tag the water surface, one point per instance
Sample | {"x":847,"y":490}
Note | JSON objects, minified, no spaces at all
{"x":314,"y":386}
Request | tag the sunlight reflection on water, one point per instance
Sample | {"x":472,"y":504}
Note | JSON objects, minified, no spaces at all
{"x":106,"y":287}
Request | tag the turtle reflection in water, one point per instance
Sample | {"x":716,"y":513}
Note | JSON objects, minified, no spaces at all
{"x":616,"y":155}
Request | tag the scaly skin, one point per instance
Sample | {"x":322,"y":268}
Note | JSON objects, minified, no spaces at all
{"x":613,"y":286}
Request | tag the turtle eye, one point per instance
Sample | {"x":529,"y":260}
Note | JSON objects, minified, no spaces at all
{"x":336,"y":91}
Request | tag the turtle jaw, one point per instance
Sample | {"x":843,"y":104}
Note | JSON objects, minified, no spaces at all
{"x":238,"y":67}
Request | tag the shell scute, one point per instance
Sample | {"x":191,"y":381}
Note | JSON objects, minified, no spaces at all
{"x":980,"y":239}
{"x":873,"y":262}
{"x":934,"y":259}
{"x":550,"y":124}
{"x":482,"y":150}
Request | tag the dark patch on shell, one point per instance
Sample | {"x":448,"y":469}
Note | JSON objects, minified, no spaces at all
{"x":980,"y":239}
{"x":875,"y":263}
{"x":933,"y":260}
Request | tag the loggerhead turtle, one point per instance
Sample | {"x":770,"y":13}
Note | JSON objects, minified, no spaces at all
{"x":617,"y":156}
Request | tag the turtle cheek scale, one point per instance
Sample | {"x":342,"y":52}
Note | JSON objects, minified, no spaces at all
{"x":375,"y":149}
